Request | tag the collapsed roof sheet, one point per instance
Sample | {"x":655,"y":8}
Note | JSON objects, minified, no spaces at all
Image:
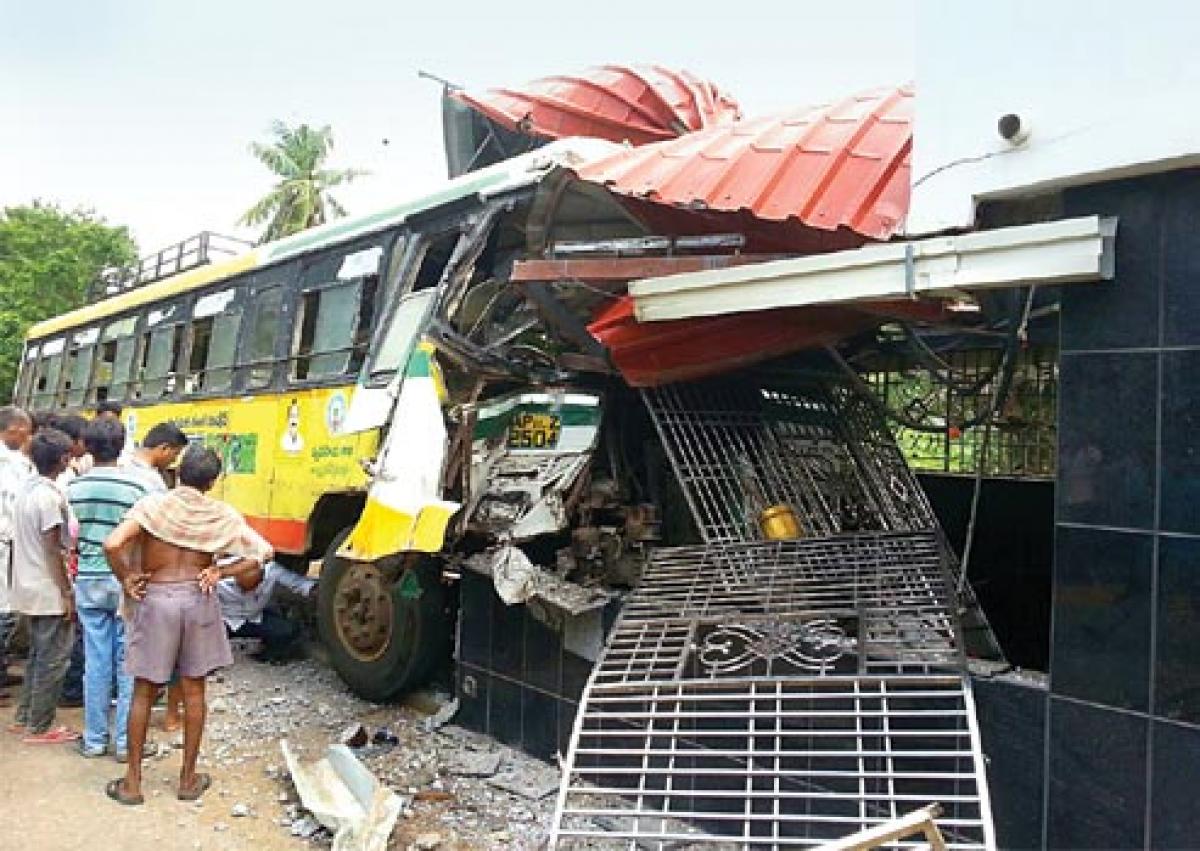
{"x":639,"y":104}
{"x":845,"y":165}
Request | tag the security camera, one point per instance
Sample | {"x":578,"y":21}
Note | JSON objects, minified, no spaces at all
{"x":1012,"y":129}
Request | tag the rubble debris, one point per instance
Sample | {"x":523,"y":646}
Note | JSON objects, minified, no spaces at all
{"x":533,"y":785}
{"x":304,"y":827}
{"x":354,"y":736}
{"x":473,"y":764}
{"x":442,"y":717}
{"x":344,"y":796}
{"x":385,"y":738}
{"x":518,"y":580}
{"x":427,"y":795}
{"x":465,"y":809}
{"x":427,"y":841}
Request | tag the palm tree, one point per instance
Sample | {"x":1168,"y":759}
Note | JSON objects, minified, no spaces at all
{"x":301,"y":198}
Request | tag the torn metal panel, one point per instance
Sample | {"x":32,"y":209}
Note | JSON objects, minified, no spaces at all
{"x":344,"y":796}
{"x":839,"y":166}
{"x":653,"y":354}
{"x":518,"y":580}
{"x":529,"y":451}
{"x":405,"y":509}
{"x":621,"y":103}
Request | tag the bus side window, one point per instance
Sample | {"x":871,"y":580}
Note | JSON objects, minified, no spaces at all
{"x":161,"y":348}
{"x":325,"y":323}
{"x":259,"y":349}
{"x":114,"y":360}
{"x":49,"y":368}
{"x":162,"y":361}
{"x":78,"y":368}
{"x":25,"y":381}
{"x":335,"y":312}
{"x":214,"y":330}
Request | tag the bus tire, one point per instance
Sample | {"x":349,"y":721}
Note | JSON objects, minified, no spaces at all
{"x":385,"y":627}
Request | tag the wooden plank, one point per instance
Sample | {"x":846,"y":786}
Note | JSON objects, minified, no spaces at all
{"x":918,"y":821}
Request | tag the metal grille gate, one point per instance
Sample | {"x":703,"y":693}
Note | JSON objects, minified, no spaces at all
{"x":780,"y":694}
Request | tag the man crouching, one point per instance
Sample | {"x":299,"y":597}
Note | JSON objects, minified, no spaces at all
{"x":175,"y":624}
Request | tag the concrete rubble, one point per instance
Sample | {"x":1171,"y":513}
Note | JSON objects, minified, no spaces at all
{"x":457,"y":789}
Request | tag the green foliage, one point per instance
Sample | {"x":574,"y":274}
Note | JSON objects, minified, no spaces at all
{"x":300,"y":199}
{"x":48,"y":257}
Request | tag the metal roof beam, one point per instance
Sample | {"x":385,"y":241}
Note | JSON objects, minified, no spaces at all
{"x":1067,"y":251}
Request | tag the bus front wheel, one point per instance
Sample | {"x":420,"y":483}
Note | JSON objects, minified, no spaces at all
{"x":384,"y":625}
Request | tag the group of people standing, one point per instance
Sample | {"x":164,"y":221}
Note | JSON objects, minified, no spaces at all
{"x":91,"y":535}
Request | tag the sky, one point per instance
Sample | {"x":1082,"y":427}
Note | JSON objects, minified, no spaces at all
{"x":143,"y":110}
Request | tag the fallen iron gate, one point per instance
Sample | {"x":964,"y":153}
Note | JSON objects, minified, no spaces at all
{"x":778,"y":695}
{"x":760,"y":694}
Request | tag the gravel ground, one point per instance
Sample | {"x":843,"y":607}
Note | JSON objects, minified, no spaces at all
{"x":448,"y":778}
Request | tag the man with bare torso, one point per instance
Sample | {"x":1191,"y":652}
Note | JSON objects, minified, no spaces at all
{"x":176,"y":622}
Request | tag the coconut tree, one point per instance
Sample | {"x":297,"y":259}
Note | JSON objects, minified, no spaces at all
{"x":300,"y":199}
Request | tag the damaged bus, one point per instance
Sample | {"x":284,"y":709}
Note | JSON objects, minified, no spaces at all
{"x":334,"y":371}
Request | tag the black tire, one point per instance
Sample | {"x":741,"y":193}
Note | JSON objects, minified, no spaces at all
{"x":385,"y":664}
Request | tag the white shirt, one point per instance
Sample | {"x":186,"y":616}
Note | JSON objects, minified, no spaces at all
{"x":15,"y":469}
{"x":40,"y":507}
{"x":239,"y":607}
{"x":151,"y":478}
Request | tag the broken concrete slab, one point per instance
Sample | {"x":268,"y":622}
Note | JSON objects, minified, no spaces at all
{"x":473,"y":763}
{"x":532,"y":785}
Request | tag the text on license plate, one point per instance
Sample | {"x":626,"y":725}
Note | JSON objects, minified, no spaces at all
{"x":534,"y":431}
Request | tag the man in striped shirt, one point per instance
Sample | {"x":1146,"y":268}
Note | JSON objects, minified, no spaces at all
{"x":100,"y":499}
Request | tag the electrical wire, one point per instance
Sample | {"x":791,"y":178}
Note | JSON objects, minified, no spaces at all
{"x":981,"y":462}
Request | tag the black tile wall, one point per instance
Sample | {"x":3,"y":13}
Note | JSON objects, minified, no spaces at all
{"x":1106,"y":439}
{"x":515,"y":680}
{"x":539,"y":732}
{"x":543,"y":656}
{"x":508,"y":639}
{"x":474,"y":612}
{"x":1122,"y":313}
{"x":1102,"y":613}
{"x":504,"y":710}
{"x":1181,"y":262}
{"x":1097,"y":788}
{"x":1129,"y":460}
{"x":1012,"y":731}
{"x":1174,"y":815}
{"x":1180,"y":482}
{"x":1177,"y":660}
{"x":472,"y":686}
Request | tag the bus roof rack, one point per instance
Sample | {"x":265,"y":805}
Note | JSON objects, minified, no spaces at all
{"x":198,"y":250}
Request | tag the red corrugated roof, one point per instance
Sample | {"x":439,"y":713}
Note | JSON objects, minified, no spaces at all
{"x":639,"y":104}
{"x":843,"y":165}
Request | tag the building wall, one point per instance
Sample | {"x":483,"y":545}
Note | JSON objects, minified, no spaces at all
{"x":1099,"y":84}
{"x":1122,"y":723}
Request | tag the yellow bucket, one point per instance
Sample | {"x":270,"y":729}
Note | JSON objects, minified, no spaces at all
{"x":779,"y":523}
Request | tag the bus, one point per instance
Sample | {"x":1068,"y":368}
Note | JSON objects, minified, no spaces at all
{"x":377,"y":390}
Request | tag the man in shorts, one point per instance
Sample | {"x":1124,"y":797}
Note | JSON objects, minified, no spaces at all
{"x":176,"y":625}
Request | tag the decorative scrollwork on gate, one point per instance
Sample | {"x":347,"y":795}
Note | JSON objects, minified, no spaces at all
{"x":813,"y":646}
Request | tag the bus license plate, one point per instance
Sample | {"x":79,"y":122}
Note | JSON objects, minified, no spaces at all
{"x":534,"y":431}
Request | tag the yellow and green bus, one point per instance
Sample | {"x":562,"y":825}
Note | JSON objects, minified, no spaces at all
{"x":359,"y":380}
